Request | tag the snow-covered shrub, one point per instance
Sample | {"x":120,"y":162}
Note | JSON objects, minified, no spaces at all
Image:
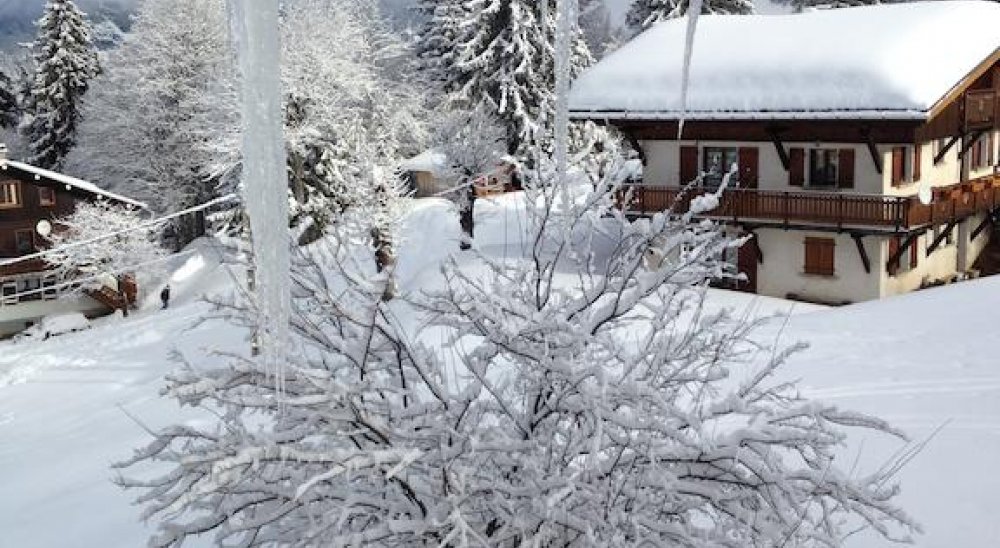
{"x":579,"y":399}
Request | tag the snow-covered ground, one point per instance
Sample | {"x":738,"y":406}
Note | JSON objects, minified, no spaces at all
{"x":925,"y":361}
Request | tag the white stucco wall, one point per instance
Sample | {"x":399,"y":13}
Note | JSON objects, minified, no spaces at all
{"x":15,"y":318}
{"x":784,"y":262}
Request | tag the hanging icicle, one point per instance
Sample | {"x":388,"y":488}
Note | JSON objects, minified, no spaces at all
{"x":694,"y":11}
{"x":265,"y":183}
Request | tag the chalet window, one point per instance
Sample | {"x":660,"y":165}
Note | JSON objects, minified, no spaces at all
{"x":904,"y":263}
{"x":899,"y":167}
{"x":10,"y":195}
{"x":718,"y":162}
{"x":29,"y":289}
{"x":824,"y":166}
{"x":820,"y":256}
{"x":46,"y":196}
{"x":9,"y":292}
{"x":24,"y":241}
{"x":49,"y":284}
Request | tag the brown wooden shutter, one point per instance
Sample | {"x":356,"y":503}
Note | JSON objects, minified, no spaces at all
{"x":917,"y":157}
{"x":898,"y":165}
{"x":989,"y":149}
{"x":845,"y":171}
{"x":893,"y":248}
{"x":749,"y":167}
{"x":977,"y":154}
{"x":914,"y":250}
{"x":797,"y":167}
{"x":820,"y":256}
{"x":689,"y":164}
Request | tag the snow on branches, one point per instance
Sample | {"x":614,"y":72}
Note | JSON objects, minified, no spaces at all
{"x":645,"y":13}
{"x":577,"y":394}
{"x":81,"y":246}
{"x":65,"y":62}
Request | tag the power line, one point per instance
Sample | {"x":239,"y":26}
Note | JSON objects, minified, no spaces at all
{"x":142,"y":226}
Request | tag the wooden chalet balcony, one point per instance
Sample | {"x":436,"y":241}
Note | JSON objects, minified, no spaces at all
{"x":23,"y":267}
{"x":827,"y":209}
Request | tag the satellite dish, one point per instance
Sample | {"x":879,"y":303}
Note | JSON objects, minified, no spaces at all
{"x":925,"y":194}
{"x":43,"y":228}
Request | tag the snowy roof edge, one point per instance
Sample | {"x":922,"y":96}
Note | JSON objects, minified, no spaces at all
{"x":74,"y":182}
{"x":668,"y":116}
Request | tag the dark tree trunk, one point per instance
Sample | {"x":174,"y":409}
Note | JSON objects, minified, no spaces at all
{"x":467,"y":217}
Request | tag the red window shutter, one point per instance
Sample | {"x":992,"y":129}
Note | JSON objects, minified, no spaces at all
{"x":749,"y":167}
{"x":797,"y":167}
{"x":898,"y":165}
{"x":893,"y":248}
{"x":845,"y":169}
{"x":917,"y":156}
{"x":689,"y":164}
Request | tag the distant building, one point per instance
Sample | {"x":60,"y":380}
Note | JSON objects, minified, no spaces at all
{"x":864,"y":139}
{"x":31,"y":197}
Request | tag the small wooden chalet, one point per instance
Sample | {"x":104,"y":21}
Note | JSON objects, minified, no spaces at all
{"x":29,"y":196}
{"x":865,"y":139}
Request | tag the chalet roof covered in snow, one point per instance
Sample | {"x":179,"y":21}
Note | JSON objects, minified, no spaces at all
{"x":889,"y":61}
{"x":70,"y":182}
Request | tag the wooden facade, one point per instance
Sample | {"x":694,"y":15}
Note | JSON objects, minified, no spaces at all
{"x":18,"y":222}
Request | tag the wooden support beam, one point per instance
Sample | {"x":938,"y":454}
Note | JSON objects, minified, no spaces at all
{"x":865,"y":260}
{"x":968,"y":144}
{"x":630,"y":137}
{"x":941,"y":237}
{"x":948,"y":146}
{"x":779,"y":146}
{"x":873,"y":150}
{"x":911,"y":239}
{"x":991,"y":220}
{"x":756,"y":247}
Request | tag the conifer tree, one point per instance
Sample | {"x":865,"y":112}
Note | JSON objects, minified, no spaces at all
{"x":65,"y":62}
{"x":8,"y":102}
{"x":503,"y":62}
{"x":646,"y":12}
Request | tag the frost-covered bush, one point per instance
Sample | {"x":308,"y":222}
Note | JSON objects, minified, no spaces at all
{"x":576,"y":395}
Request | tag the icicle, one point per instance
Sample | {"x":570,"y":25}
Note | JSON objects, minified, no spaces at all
{"x":265,"y":183}
{"x":694,"y":11}
{"x":566,"y":9}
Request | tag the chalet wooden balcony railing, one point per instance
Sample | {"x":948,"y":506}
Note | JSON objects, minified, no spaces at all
{"x":772,"y":207}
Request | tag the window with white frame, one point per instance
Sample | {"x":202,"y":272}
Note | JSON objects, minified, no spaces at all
{"x":8,"y":293}
{"x":10,"y":195}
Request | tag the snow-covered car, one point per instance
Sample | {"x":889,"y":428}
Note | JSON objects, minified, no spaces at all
{"x":56,"y":324}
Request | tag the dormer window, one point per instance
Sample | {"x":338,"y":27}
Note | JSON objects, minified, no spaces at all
{"x":10,"y":195}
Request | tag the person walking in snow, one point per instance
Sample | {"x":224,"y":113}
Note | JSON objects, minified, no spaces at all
{"x":165,"y":296}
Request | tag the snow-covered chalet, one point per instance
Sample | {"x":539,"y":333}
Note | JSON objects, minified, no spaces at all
{"x":31,"y":201}
{"x":865,"y":139}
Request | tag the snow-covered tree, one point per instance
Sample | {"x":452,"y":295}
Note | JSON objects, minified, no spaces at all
{"x":438,"y":39}
{"x":473,"y":144}
{"x":800,"y":5}
{"x":161,"y":122}
{"x":644,"y":13}
{"x":81,"y":249}
{"x":595,"y":22}
{"x":8,"y":102}
{"x":65,"y":63}
{"x":352,"y":108}
{"x":503,"y":63}
{"x":581,"y":397}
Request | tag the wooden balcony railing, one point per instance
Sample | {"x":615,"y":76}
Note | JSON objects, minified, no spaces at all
{"x":827,"y":208}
